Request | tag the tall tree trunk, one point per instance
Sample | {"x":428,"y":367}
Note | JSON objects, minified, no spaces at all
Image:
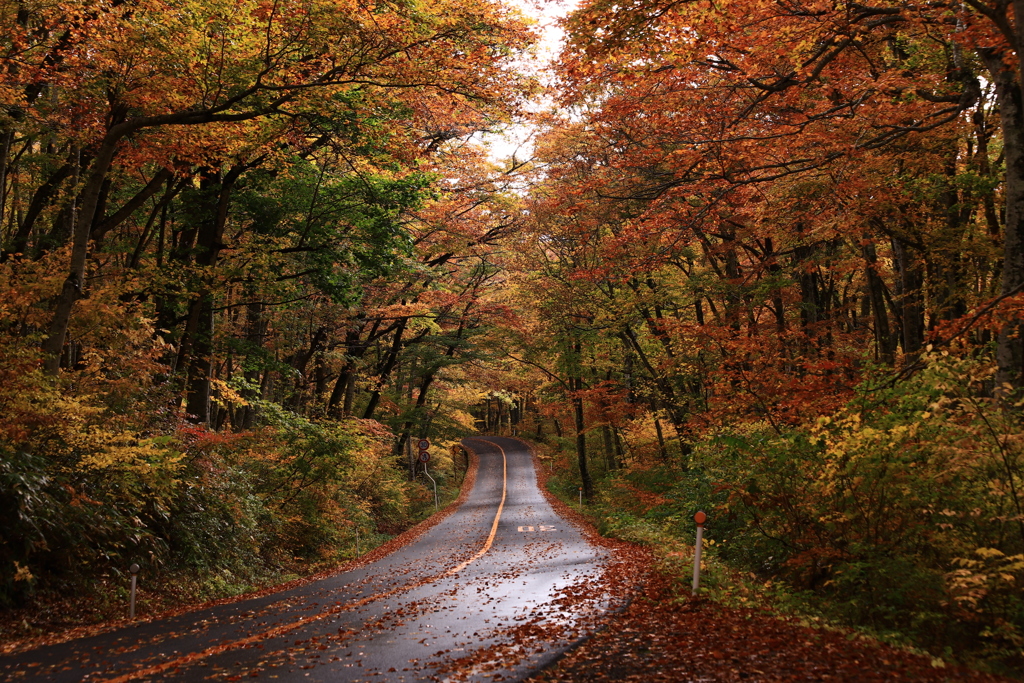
{"x":200,"y":351}
{"x":340,"y":402}
{"x":40,"y":200}
{"x":5,"y":153}
{"x":73,"y":288}
{"x":774,"y":271}
{"x":810,"y":299}
{"x":662,"y":451}
{"x":576,"y":387}
{"x":609,"y":448}
{"x":384,"y":370}
{"x":255,"y":332}
{"x":1010,"y":97}
{"x":911,"y":310}
{"x":732,"y":274}
{"x":884,"y":340}
{"x":200,"y":365}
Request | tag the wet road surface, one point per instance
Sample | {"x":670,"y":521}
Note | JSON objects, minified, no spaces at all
{"x":493,"y":592}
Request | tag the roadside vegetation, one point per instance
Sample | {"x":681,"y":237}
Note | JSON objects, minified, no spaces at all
{"x":887,"y":517}
{"x":206,"y":515}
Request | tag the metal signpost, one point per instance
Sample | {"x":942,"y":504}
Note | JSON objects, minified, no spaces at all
{"x":700,"y":518}
{"x":424,"y":458}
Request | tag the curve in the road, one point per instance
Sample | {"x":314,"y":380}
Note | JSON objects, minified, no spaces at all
{"x":494,"y":591}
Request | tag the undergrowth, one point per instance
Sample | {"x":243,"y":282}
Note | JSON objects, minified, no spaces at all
{"x":88,"y":488}
{"x":895,"y":517}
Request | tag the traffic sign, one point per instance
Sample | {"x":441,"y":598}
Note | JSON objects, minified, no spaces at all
{"x":424,"y":456}
{"x":423,"y":444}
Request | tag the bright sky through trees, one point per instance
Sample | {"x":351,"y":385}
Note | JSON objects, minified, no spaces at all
{"x":517,"y":139}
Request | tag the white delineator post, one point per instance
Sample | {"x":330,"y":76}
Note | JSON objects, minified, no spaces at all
{"x":700,"y":518}
{"x":134,"y":569}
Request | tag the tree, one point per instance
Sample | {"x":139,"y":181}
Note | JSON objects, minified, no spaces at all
{"x":749,"y":92}
{"x":129,"y":81}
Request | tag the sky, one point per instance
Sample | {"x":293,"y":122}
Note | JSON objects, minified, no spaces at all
{"x":517,"y":139}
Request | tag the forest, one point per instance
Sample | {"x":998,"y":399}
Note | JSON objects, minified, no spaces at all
{"x":765,"y":258}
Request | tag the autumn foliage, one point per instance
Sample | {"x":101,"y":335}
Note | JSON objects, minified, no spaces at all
{"x":776,"y":254}
{"x":767,"y":260}
{"x":242,"y":255}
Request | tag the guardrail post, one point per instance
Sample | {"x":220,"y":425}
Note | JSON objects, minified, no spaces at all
{"x":433,"y":482}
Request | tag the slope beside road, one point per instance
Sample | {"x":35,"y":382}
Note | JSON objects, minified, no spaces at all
{"x":495,"y":591}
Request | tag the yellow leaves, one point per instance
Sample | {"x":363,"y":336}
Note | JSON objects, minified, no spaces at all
{"x":22,"y":573}
{"x":151,"y":461}
{"x":79,"y":434}
{"x":124,"y":450}
{"x":463,"y":418}
{"x":225,"y":395}
{"x":992,"y":572}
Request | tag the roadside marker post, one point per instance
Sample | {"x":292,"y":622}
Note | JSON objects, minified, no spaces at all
{"x":700,"y":518}
{"x":425,"y":458}
{"x":134,"y":569}
{"x":581,"y":496}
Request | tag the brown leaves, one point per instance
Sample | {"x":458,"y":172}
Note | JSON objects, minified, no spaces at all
{"x":658,"y":638}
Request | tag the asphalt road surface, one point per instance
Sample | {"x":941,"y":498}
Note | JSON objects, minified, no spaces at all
{"x":494,"y":592}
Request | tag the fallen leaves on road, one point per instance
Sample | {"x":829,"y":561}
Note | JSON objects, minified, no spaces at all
{"x":68,"y":618}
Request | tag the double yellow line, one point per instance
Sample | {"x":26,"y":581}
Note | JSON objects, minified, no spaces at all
{"x":291,"y":626}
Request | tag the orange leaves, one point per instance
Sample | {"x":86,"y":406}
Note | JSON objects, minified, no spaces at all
{"x":200,"y":62}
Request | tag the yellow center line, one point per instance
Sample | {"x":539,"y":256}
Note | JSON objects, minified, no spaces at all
{"x":291,"y":626}
{"x":497,"y":517}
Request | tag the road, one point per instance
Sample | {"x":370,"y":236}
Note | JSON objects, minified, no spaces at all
{"x":493,"y":592}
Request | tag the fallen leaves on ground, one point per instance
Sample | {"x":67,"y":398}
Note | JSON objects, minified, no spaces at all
{"x":662,"y":637}
{"x":658,"y":639}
